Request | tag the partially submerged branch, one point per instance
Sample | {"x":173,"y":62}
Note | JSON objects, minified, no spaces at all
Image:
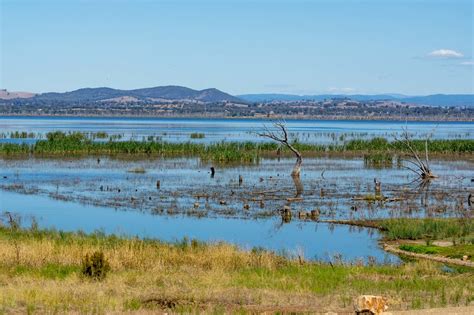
{"x":419,"y":167}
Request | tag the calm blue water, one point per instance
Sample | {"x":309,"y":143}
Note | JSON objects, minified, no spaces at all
{"x":179,"y":129}
{"x":314,"y":240}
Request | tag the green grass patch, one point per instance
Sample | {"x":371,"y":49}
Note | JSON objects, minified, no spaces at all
{"x":420,"y":249}
{"x":47,"y":271}
{"x":455,"y":251}
{"x":428,"y":228}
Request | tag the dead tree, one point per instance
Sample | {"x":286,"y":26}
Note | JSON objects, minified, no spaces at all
{"x":281,"y":135}
{"x":418,"y":166}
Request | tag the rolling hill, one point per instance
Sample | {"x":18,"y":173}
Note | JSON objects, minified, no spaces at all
{"x":161,"y":92}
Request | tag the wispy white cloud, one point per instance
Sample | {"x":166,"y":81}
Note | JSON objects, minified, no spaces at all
{"x":445,"y":53}
{"x":467,"y":63}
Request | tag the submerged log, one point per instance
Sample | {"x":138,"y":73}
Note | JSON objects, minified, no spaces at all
{"x":315,"y":214}
{"x":302,"y":215}
{"x":378,"y":187}
{"x":286,"y":214}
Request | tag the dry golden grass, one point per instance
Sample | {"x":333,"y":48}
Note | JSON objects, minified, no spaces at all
{"x":40,"y":271}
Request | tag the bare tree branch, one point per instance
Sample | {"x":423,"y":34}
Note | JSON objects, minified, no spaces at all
{"x":424,"y":171}
{"x":281,"y":135}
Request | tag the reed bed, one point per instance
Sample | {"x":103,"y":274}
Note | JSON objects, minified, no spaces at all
{"x":426,"y":228}
{"x":62,"y":144}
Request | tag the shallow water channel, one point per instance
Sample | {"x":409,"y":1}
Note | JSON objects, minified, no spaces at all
{"x":112,"y":196}
{"x":214,"y":130}
{"x":312,"y":240}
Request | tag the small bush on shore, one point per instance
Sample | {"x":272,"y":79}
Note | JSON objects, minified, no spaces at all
{"x":95,"y":266}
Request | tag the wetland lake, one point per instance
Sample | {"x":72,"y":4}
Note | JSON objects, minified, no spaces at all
{"x":241,"y":203}
{"x":180,"y":129}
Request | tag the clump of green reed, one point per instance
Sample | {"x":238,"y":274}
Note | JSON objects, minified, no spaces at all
{"x":377,"y":150}
{"x":21,"y":135}
{"x":426,"y":228}
{"x":437,"y":145}
{"x":14,"y":148}
{"x":378,"y":160}
{"x":196,"y":135}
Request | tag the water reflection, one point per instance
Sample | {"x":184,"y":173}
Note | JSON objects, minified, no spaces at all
{"x":180,"y":129}
{"x":316,"y":241}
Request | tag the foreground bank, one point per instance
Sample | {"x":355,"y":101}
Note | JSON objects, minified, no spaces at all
{"x":46,"y":271}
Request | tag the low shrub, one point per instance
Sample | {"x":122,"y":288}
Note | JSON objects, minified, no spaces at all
{"x":95,"y":266}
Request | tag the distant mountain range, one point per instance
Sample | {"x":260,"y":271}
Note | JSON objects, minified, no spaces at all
{"x":155,"y":93}
{"x":212,"y":95}
{"x":457,"y":100}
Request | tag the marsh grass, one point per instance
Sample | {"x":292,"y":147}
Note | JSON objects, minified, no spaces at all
{"x":190,"y":275}
{"x":427,"y":228}
{"x":196,"y":135}
{"x":377,"y":151}
{"x":378,"y":160}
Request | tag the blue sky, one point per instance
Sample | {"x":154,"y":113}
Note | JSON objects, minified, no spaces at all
{"x":303,"y":47}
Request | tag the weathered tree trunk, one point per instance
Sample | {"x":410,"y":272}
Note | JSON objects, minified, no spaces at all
{"x":282,"y":138}
{"x":297,"y":168}
{"x":298,"y":185}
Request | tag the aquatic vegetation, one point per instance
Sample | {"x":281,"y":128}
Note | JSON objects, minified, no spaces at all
{"x":15,"y":149}
{"x":196,"y":135}
{"x":21,"y":135}
{"x":138,"y":170}
{"x":101,"y":135}
{"x":377,"y":150}
{"x":378,"y":160}
{"x":426,"y":228}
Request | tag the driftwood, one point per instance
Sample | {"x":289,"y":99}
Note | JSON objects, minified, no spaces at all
{"x":373,"y":198}
{"x":264,"y":192}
